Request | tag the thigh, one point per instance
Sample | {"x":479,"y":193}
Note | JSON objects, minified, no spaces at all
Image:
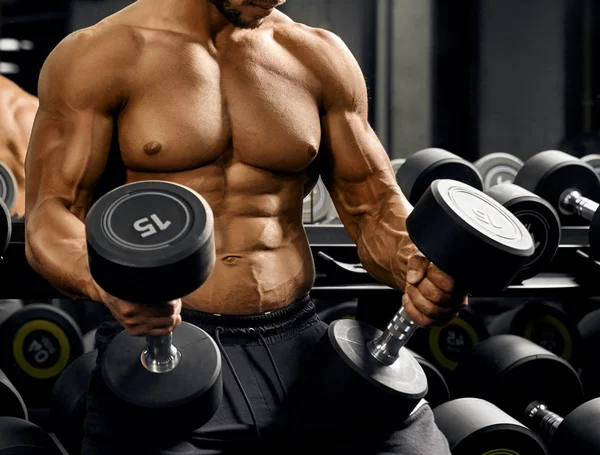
{"x":417,"y":435}
{"x":260,"y":390}
{"x":111,"y":427}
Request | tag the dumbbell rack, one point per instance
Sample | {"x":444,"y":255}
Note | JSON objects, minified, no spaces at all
{"x":565,"y":277}
{"x":339,"y":272}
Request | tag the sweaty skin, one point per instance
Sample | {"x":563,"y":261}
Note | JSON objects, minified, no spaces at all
{"x":17,"y":112}
{"x":247,"y":117}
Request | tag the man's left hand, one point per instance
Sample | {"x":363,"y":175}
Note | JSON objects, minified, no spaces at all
{"x":430,"y":297}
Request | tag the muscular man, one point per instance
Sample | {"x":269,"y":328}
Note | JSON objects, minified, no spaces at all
{"x":245,"y":106}
{"x":17,"y":111}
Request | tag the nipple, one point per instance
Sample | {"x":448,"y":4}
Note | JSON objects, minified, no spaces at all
{"x":152,"y":148}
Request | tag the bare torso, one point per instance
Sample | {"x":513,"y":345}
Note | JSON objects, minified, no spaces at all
{"x":17,"y":112}
{"x":240,"y":124}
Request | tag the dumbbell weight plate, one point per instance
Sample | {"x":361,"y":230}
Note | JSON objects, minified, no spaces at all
{"x":474,"y":427}
{"x":549,"y":174}
{"x":149,"y":243}
{"x":481,"y":228}
{"x":511,"y":372}
{"x":589,"y":330}
{"x":594,"y":161}
{"x":19,"y":436}
{"x":437,"y":387}
{"x":8,"y":187}
{"x":36,"y":345}
{"x":87,"y":314}
{"x":540,"y":219}
{"x":11,"y":402}
{"x":498,"y":168}
{"x":397,"y":164}
{"x":317,"y":206}
{"x":5,"y":227}
{"x":342,"y":365}
{"x":344,"y":310}
{"x":445,"y":345}
{"x":544,"y":324}
{"x":578,"y":432}
{"x":9,"y":307}
{"x":67,"y":404}
{"x":423,"y":167}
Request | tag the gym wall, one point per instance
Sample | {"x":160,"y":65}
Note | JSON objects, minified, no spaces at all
{"x":475,"y":77}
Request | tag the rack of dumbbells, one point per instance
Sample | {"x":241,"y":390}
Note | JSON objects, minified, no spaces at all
{"x":514,"y":373}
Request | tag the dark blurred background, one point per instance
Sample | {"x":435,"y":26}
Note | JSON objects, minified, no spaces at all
{"x":474,"y":77}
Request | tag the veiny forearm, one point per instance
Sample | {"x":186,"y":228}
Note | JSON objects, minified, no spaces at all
{"x":56,"y":249}
{"x":378,"y":228}
{"x":384,"y":246}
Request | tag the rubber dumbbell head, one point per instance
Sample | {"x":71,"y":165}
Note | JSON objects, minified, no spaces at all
{"x":498,"y":168}
{"x":37,"y":343}
{"x":423,"y":167}
{"x":373,"y":367}
{"x":149,"y":243}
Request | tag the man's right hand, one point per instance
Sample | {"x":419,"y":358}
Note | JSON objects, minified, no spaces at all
{"x":142,"y":320}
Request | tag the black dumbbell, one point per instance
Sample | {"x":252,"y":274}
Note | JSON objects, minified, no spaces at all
{"x":570,"y":185}
{"x":11,"y":402}
{"x":536,"y":214}
{"x":318,"y":206}
{"x":498,"y":168}
{"x":149,"y":243}
{"x":397,"y":164}
{"x":18,"y":436}
{"x":593,"y":160}
{"x":8,"y":187}
{"x":540,"y":219}
{"x":37,"y":342}
{"x":544,"y":323}
{"x":474,"y":426}
{"x":342,"y":310}
{"x":423,"y":167}
{"x":68,"y":401}
{"x":589,"y":331}
{"x":445,"y":345}
{"x":87,"y":314}
{"x":5,"y":227}
{"x":356,"y":360}
{"x":438,"y":391}
{"x":8,"y":307}
{"x":535,"y":386}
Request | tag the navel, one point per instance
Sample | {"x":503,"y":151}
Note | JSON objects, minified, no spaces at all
{"x":152,"y":148}
{"x":231,"y":260}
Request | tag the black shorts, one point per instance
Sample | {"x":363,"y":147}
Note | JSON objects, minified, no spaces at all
{"x":266,"y":353}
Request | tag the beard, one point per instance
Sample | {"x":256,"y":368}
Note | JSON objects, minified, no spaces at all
{"x":234,"y":16}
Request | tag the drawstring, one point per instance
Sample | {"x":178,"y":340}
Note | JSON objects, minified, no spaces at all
{"x":264,"y":343}
{"x":252,"y":330}
{"x":237,"y":379}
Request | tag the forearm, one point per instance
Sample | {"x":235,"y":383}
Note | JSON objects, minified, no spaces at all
{"x":384,"y":246}
{"x":56,"y":249}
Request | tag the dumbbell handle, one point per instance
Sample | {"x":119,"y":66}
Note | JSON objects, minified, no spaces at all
{"x":160,"y":356}
{"x":573,"y":203}
{"x":546,"y":421}
{"x":387,"y":346}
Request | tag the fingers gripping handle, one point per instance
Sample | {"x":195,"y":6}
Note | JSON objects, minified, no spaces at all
{"x":386,"y":347}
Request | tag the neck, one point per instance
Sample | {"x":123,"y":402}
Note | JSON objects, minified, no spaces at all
{"x":192,"y":17}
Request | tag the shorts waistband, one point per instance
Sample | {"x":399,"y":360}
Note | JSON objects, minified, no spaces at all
{"x":280,"y":323}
